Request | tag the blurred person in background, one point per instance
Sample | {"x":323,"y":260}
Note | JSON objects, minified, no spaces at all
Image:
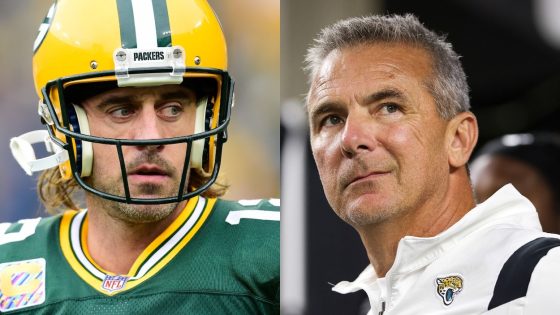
{"x":135,"y":111}
{"x":529,"y":161}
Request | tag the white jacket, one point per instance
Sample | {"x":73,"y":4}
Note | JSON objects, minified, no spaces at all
{"x":455,"y":272}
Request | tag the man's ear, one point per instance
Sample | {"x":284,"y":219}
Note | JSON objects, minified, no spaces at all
{"x":462,"y":135}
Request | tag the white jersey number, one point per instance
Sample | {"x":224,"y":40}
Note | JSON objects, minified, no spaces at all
{"x":27,"y":229}
{"x":234,"y":217}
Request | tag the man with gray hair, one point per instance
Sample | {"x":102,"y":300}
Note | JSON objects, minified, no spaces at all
{"x":391,"y":134}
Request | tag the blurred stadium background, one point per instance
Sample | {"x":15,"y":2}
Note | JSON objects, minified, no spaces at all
{"x":252,"y":155}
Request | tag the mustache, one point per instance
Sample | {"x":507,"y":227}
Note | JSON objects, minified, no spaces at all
{"x":153,"y":159}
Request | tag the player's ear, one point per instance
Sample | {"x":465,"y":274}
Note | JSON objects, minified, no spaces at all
{"x":462,"y":134}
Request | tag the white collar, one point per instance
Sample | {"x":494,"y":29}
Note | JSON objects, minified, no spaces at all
{"x":506,"y":207}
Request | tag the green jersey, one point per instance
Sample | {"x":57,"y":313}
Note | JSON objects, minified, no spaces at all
{"x":216,"y":257}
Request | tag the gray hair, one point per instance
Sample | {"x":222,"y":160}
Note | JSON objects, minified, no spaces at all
{"x":448,"y":87}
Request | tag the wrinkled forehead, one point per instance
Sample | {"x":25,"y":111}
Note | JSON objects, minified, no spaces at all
{"x":365,"y":65}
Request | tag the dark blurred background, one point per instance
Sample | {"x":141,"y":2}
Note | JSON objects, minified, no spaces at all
{"x":511,"y":55}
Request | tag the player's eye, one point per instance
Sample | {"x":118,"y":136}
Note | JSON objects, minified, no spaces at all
{"x":171,"y":110}
{"x":121,"y":112}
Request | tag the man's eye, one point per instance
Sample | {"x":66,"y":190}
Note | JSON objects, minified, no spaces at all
{"x":121,"y":112}
{"x":391,"y":108}
{"x":331,"y":120}
{"x":171,"y":110}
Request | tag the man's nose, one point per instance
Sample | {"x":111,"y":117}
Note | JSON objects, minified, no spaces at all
{"x":358,"y":135}
{"x":148,"y":127}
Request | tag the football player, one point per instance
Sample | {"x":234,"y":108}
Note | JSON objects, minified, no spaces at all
{"x":136,"y":98}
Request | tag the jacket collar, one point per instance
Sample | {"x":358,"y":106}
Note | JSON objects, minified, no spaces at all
{"x":506,"y":207}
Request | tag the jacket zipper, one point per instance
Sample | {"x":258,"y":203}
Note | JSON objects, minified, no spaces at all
{"x":382,"y":308}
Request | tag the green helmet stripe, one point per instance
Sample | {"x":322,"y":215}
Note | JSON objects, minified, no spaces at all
{"x":161,"y":16}
{"x":126,"y":23}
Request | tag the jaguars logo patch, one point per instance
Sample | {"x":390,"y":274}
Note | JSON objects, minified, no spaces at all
{"x":448,"y":287}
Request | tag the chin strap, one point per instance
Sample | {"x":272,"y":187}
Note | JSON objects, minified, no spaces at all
{"x":23,"y":151}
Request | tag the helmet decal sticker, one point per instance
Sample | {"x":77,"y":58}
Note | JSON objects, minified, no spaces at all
{"x":44,"y":27}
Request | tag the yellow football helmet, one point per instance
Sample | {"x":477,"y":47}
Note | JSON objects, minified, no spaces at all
{"x":131,"y":43}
